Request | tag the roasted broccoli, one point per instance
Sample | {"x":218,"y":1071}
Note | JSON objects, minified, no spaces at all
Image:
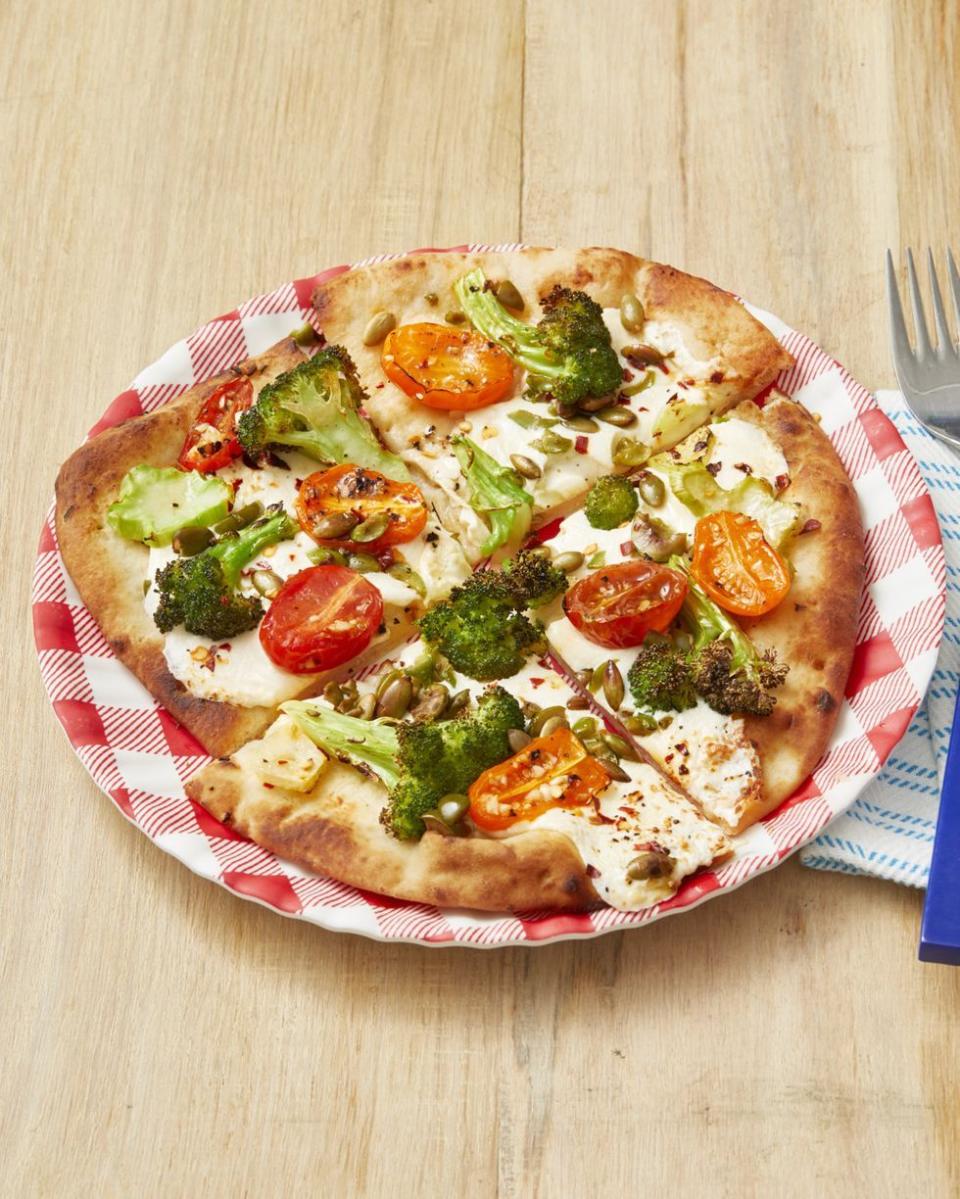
{"x":155,"y":502}
{"x":661,"y":678}
{"x":200,"y":592}
{"x":419,"y":763}
{"x":496,"y":493}
{"x":315,"y":408}
{"x":728,"y":670}
{"x":533,"y":579}
{"x":568,"y":354}
{"x":611,"y":502}
{"x":481,"y":628}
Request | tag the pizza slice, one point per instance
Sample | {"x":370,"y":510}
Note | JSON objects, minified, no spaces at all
{"x":496,"y":797}
{"x":512,"y":382}
{"x":249,"y":540}
{"x":713,"y":605}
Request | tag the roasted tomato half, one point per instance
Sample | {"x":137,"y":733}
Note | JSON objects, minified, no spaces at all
{"x":454,"y":369}
{"x":212,"y":441}
{"x":736,"y":566}
{"x":321,"y":618}
{"x":332,"y":503}
{"x":550,"y":772}
{"x":617,"y":606}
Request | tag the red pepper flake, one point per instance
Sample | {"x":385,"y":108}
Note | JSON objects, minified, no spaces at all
{"x":627,"y":374}
{"x":782,"y":481}
{"x":811,"y":526}
{"x":592,"y":871}
{"x":714,"y":467}
{"x":626,"y":547}
{"x":269,"y":786}
{"x":581,"y":444}
{"x":536,"y":682}
{"x":298,"y":483}
{"x":716,"y":377}
{"x":235,"y":483}
{"x":663,"y":366}
{"x":379,"y":385}
{"x":683,"y":383}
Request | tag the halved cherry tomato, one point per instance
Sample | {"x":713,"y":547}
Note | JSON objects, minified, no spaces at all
{"x":446,"y":368}
{"x":321,"y":618}
{"x":736,"y":566}
{"x":551,"y":772}
{"x":618,"y":605}
{"x":212,"y":442}
{"x":364,"y":494}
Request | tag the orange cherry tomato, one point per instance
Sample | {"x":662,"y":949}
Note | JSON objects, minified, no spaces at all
{"x":736,"y":566}
{"x":321,"y":618}
{"x":617,"y":606}
{"x":212,"y":441}
{"x":551,"y":772}
{"x":364,"y":494}
{"x":447,"y":368}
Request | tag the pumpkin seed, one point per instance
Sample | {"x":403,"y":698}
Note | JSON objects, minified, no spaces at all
{"x":435,"y":823}
{"x":525,"y":466}
{"x":191,"y":540}
{"x":596,"y":677}
{"x":612,"y":766}
{"x":239,"y":518}
{"x":568,"y":561}
{"x":540,"y":551}
{"x":334,"y":524}
{"x":431,"y":703}
{"x":652,"y":490}
{"x":634,"y":389}
{"x":406,"y":574}
{"x":458,"y":703}
{"x":639,"y":722}
{"x":518,"y":740}
{"x":508,"y":295}
{"x":266,"y":582}
{"x":578,"y":703}
{"x":552,"y":443}
{"x":453,"y":808}
{"x":617,"y":415}
{"x":613,"y":689}
{"x":371,"y":529}
{"x":652,"y":863}
{"x":363,"y":563}
{"x":632,"y":316}
{"x":628,"y":451}
{"x":618,"y":746}
{"x":379,"y":325}
{"x":323,"y":555}
{"x":585,"y":726}
{"x":306,"y":335}
{"x":552,"y":725}
{"x":594,"y":403}
{"x":454,"y":317}
{"x":390,"y":677}
{"x":582,"y":424}
{"x":535,"y":727}
{"x":395,"y":699}
{"x":642,"y":355}
{"x":332,"y":693}
{"x":368,"y":705}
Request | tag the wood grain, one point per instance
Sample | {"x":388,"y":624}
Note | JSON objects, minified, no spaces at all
{"x":165,"y":161}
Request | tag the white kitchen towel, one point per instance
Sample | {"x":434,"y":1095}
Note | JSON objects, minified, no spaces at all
{"x":889,"y":830}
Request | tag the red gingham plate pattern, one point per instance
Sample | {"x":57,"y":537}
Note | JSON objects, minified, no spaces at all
{"x":138,"y":754}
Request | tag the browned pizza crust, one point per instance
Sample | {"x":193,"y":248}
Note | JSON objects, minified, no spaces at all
{"x":108,"y":570}
{"x":336,"y":830}
{"x":814,"y":629}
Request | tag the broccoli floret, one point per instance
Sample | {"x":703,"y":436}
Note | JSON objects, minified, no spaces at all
{"x":200,"y":592}
{"x":481,"y":629}
{"x":496,"y":493}
{"x":315,"y":408}
{"x":533,"y":580}
{"x":661,"y":678}
{"x":419,"y":763}
{"x":611,"y":502}
{"x":568,"y":354}
{"x":728,"y":670}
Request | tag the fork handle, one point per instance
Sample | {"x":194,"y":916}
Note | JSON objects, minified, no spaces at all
{"x":940,"y":931}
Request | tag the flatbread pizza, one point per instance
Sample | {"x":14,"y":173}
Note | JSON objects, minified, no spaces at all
{"x":509,"y":583}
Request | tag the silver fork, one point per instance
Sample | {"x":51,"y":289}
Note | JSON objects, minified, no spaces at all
{"x":929,"y":377}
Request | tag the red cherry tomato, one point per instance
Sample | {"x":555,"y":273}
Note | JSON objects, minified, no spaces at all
{"x":442,"y":367}
{"x":365,"y":494}
{"x":736,"y":566}
{"x":550,"y":772}
{"x":618,"y":605}
{"x":212,"y":441}
{"x":321,"y":618}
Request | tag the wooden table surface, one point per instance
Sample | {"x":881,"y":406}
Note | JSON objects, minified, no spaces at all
{"x":164,"y":161}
